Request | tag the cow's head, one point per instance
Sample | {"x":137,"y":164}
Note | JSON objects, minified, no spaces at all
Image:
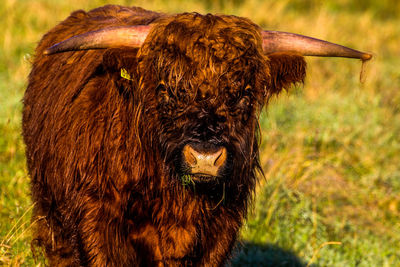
{"x":204,"y":80}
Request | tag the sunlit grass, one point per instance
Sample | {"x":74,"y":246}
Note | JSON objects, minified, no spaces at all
{"x":330,"y":150}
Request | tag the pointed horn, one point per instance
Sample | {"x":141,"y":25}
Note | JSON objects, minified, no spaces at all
{"x":274,"y":41}
{"x":133,"y":36}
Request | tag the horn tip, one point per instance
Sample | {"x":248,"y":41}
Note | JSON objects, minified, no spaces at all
{"x":49,"y":51}
{"x":366,"y":56}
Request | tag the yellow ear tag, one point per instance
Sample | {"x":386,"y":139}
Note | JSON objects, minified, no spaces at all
{"x":125,"y":74}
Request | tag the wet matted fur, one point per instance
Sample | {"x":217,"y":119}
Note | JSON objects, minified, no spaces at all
{"x":103,"y":151}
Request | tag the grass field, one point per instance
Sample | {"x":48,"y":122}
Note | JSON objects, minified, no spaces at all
{"x":330,"y":149}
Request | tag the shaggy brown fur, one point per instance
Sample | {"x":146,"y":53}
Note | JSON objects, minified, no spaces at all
{"x":103,"y":152}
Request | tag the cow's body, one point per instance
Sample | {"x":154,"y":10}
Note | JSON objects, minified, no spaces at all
{"x":105,"y":130}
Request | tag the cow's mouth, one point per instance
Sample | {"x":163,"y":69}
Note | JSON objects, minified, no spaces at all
{"x":202,"y":177}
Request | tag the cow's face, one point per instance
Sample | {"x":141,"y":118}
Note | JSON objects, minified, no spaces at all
{"x":205,"y":79}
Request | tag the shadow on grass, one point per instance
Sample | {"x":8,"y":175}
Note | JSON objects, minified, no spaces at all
{"x":250,"y":254}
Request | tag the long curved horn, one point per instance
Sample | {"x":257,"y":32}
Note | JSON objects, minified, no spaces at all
{"x":274,"y":41}
{"x":133,"y":36}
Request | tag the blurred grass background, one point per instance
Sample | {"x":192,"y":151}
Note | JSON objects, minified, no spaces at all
{"x":330,"y":149}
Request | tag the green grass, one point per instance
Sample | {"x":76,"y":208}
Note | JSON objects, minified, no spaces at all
{"x":330,"y":150}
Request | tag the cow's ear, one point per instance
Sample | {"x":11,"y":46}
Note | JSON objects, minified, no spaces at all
{"x":121,"y":66}
{"x":286,"y":69}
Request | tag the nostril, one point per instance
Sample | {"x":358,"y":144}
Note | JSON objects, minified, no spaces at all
{"x":189,"y":155}
{"x":221,"y":156}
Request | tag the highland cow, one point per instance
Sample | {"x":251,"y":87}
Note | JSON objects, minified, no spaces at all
{"x":141,"y":132}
